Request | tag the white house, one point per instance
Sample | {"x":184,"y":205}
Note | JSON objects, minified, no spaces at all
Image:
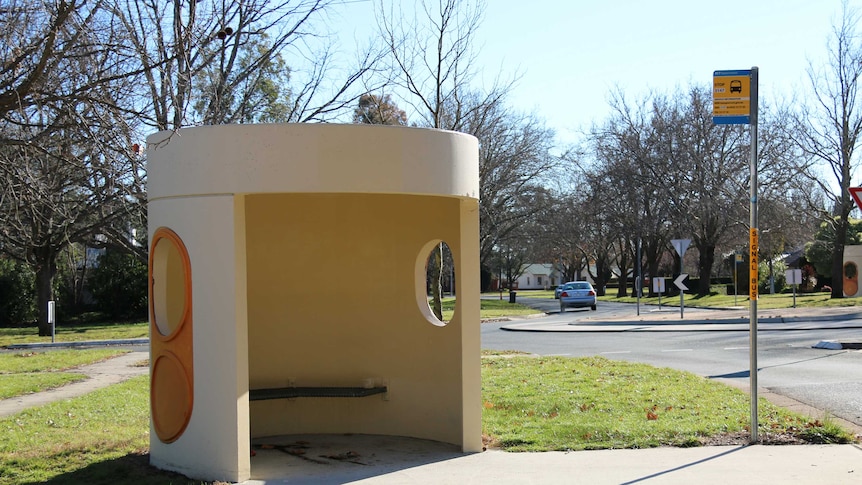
{"x":539,"y":277}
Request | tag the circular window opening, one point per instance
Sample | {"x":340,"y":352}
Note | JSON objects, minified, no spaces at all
{"x":436,"y":284}
{"x":169,"y":282}
{"x":851,"y":278}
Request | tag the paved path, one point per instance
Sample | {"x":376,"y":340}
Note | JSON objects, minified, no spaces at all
{"x":101,"y":374}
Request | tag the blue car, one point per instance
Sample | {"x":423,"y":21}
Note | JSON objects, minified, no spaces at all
{"x":577,"y":294}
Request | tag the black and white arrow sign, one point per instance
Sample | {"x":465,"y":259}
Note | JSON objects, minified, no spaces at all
{"x":679,"y":281}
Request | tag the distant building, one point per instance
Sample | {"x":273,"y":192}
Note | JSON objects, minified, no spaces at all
{"x":541,"y":276}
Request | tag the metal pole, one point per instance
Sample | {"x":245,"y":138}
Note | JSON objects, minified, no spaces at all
{"x":735,"y":264}
{"x":52,"y":319}
{"x":753,"y":247}
{"x":639,"y":276}
{"x":681,"y":292}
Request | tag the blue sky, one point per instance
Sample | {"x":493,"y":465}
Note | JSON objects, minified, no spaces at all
{"x":571,"y":53}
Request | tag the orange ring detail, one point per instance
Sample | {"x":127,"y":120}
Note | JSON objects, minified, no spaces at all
{"x":172,"y":355}
{"x":165,"y":233}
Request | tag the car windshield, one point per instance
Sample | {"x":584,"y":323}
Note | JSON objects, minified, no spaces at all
{"x":580,"y":286}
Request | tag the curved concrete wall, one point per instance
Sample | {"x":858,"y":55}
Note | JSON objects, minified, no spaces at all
{"x":312,"y":158}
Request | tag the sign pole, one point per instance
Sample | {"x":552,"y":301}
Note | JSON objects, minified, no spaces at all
{"x":639,"y":278}
{"x":734,"y":102}
{"x":681,"y":245}
{"x":735,"y":264}
{"x":52,"y":319}
{"x":753,"y":246}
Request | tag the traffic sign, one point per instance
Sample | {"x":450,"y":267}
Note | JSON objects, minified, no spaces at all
{"x":793,"y":276}
{"x":731,"y":97}
{"x":679,"y":282}
{"x":855,"y":193}
{"x":658,"y":285}
{"x":680,"y":245}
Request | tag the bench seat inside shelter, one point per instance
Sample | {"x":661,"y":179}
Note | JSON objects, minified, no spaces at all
{"x":294,"y":392}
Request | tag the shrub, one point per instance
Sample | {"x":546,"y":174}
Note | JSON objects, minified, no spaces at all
{"x":17,"y":293}
{"x":119,"y":285}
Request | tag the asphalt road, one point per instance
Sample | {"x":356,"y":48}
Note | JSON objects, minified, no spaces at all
{"x":830,"y":380}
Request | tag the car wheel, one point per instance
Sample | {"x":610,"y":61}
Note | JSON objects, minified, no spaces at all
{"x":562,"y":307}
{"x":593,"y":308}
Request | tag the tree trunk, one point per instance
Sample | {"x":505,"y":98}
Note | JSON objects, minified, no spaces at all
{"x":435,"y":273}
{"x":45,"y":269}
{"x":624,"y":276}
{"x":603,"y":275}
{"x":705,"y":262}
{"x":838,"y":259}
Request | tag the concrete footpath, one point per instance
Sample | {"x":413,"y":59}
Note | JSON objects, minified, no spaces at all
{"x":391,"y":460}
{"x":99,"y":375}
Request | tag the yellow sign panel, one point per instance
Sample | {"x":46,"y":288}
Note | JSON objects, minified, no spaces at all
{"x":753,"y":246}
{"x":731,"y":94}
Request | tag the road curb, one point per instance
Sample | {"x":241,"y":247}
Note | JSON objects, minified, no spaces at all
{"x":83,"y":343}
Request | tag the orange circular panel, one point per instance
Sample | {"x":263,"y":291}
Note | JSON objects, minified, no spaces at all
{"x":170,"y":397}
{"x":170,"y":282}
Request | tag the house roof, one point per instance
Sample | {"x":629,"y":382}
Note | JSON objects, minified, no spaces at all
{"x":544,"y":269}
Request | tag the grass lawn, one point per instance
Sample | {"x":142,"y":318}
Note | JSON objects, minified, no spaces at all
{"x":28,"y":372}
{"x":529,"y":403}
{"x":764,"y":301}
{"x":100,"y":438}
{"x":76,"y":333}
{"x":556,"y":403}
{"x":719,"y":299}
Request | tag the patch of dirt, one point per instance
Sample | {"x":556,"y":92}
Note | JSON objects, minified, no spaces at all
{"x":489,"y":442}
{"x":742,"y":438}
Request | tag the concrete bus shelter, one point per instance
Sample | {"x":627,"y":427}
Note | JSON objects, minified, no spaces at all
{"x":288,"y":289}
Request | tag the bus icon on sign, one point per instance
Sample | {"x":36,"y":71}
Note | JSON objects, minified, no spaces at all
{"x":736,"y":86}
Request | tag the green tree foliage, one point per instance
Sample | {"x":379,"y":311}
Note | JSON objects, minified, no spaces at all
{"x":119,"y":285}
{"x":17,"y":295}
{"x":778,"y":277}
{"x":256,"y":90}
{"x":819,"y":252}
{"x":379,"y":110}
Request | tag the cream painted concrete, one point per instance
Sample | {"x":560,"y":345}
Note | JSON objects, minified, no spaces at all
{"x":215,"y":443}
{"x":853,"y":256}
{"x":312,"y":158}
{"x":304,"y":242}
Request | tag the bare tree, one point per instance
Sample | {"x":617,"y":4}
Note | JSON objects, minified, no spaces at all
{"x":628,"y":147}
{"x":66,"y":155}
{"x":432,"y":57}
{"x":229,"y":62}
{"x":828,"y":129}
{"x":514,"y":160}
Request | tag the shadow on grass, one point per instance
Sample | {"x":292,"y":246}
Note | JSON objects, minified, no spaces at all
{"x":132,"y":468}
